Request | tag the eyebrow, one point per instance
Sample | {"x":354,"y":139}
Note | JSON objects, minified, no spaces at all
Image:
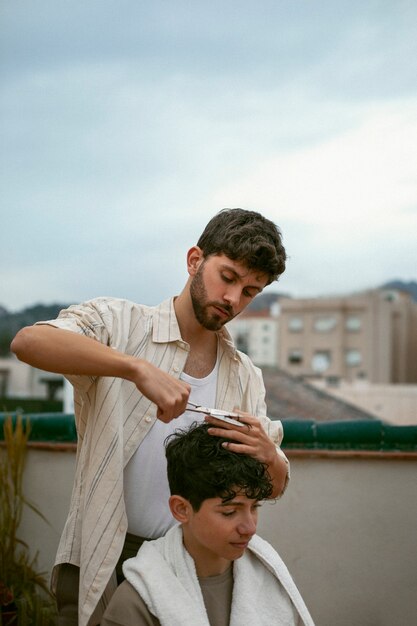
{"x":236,"y":503}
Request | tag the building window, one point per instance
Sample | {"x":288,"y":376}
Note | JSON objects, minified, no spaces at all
{"x":353,"y":323}
{"x":353,"y":358}
{"x":324,"y":324}
{"x":242,"y":342}
{"x":295,"y":357}
{"x":295,"y":324}
{"x":321,"y":361}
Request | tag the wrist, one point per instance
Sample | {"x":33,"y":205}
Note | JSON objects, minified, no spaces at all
{"x":278,"y":469}
{"x":131,"y":368}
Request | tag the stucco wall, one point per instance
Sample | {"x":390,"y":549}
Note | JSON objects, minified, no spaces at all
{"x":346,"y":529}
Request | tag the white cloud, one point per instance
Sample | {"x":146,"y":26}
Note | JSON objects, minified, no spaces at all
{"x":124,"y":129}
{"x":365,"y":174}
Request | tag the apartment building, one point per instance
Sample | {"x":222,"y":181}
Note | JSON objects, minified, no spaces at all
{"x":19,"y":380}
{"x":370,"y":335}
{"x":256,"y":334}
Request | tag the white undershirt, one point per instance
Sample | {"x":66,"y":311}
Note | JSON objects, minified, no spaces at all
{"x":146,"y":489}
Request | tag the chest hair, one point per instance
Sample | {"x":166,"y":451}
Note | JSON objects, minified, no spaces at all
{"x":200,"y":364}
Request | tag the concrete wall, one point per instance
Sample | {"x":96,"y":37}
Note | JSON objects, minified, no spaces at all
{"x":47,"y":484}
{"x":346,"y":529}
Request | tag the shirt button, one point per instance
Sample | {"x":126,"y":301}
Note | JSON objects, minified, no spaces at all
{"x":148,"y":419}
{"x":176,"y":369}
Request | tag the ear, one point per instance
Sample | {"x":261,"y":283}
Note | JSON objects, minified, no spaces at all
{"x":195,"y":258}
{"x":180,"y":508}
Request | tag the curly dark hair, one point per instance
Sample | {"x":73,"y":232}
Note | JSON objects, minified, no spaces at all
{"x":248,"y":237}
{"x":199,"y":467}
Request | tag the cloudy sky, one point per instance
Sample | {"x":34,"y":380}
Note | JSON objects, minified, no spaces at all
{"x":125,"y":125}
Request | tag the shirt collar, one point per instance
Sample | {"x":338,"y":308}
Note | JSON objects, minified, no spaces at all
{"x":166,"y":329}
{"x":165,"y":324}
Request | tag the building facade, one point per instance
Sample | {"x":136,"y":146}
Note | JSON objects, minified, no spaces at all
{"x":256,"y":333}
{"x":370,"y":335}
{"x":20,"y":380}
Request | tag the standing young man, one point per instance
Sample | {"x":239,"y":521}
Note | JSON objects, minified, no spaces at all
{"x":215,"y":570}
{"x":134,"y":368}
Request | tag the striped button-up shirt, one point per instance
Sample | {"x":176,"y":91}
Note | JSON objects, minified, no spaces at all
{"x":113,"y":417}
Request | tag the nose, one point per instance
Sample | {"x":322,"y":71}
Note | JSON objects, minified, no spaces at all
{"x":232,"y":295}
{"x":247,"y":526}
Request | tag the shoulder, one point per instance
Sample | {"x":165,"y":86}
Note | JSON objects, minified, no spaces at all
{"x":248,"y":364}
{"x":115,"y":305}
{"x":106,"y":310}
{"x":229,"y":348}
{"x":249,"y":373}
{"x":126,"y":608}
{"x":105,"y":319}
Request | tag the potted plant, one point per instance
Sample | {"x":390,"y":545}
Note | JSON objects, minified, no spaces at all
{"x":24,"y":595}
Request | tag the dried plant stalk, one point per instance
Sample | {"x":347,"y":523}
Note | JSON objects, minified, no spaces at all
{"x":20,"y":581}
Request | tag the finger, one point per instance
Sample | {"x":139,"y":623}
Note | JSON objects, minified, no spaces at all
{"x":239,"y":448}
{"x":224,"y":429}
{"x":219,"y":423}
{"x":246,"y":418}
{"x":238,"y":435}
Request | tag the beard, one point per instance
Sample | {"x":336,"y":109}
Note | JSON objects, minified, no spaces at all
{"x":201,"y":305}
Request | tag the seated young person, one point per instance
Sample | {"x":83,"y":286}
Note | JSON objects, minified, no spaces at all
{"x":211,"y":569}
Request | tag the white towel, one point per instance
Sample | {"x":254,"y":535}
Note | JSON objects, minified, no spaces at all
{"x":264,"y":594}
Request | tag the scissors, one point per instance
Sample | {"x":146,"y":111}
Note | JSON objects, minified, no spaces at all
{"x":224,"y":416}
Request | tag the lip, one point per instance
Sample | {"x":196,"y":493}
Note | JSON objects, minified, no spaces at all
{"x":242,"y":545}
{"x":221,"y":311}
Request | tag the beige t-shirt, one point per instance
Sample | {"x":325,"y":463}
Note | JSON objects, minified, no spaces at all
{"x":127,"y":608}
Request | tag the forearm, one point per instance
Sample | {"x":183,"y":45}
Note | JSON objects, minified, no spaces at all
{"x":65,"y":352}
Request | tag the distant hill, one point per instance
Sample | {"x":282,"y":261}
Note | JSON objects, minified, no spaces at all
{"x":11,"y":323}
{"x":410,"y":287}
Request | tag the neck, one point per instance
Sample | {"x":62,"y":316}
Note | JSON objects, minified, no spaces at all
{"x":204,"y":570}
{"x":206,"y":563}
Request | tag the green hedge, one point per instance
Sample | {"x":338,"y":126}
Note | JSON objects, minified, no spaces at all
{"x":348,"y":435}
{"x":30,"y":405}
{"x":50,"y":427}
{"x":298,"y":434}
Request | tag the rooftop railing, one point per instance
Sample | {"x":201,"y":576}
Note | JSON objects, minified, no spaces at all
{"x":355,"y":435}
